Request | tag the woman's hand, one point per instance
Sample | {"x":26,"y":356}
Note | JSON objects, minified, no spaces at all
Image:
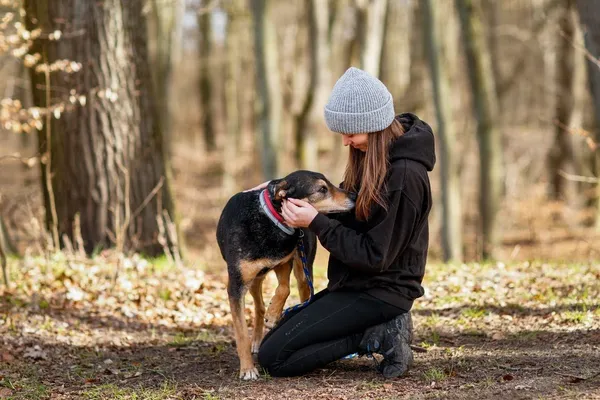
{"x":261,"y":186}
{"x":298,"y":213}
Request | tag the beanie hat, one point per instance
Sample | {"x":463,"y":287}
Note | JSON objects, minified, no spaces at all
{"x":359,"y":103}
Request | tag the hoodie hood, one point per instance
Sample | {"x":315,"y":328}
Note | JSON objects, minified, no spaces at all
{"x":417,"y":143}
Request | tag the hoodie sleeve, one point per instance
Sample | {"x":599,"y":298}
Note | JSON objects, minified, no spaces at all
{"x":373,"y":251}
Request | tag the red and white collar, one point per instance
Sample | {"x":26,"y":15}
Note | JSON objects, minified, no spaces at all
{"x":269,"y":209}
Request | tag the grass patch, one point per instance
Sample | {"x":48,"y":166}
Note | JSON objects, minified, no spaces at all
{"x":434,"y":375}
{"x":112,"y":391}
{"x":577,"y":316}
{"x":28,"y":389}
{"x":180,"y":340}
{"x":474,"y":312}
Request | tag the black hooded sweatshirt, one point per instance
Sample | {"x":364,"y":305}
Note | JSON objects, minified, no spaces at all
{"x":385,"y":255}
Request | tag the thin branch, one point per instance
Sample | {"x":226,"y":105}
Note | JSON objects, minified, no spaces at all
{"x":148,"y":198}
{"x":579,"y":378}
{"x":580,"y":47}
{"x":578,"y":178}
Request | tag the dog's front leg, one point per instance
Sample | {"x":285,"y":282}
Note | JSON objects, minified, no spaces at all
{"x":283,"y":272}
{"x":236,"y":292}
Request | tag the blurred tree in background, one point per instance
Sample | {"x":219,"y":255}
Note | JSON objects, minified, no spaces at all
{"x":230,"y":93}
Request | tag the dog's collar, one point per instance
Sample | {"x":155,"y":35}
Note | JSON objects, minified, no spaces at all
{"x":274,"y":216}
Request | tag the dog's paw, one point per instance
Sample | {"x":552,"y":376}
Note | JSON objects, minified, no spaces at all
{"x":249,"y":374}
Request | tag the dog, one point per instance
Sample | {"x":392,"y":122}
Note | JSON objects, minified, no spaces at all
{"x":253,"y":240}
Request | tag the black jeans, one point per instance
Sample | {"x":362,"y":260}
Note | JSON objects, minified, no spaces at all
{"x":327,"y":329}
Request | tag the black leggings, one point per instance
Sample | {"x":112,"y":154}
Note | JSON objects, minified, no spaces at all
{"x":329,"y":328}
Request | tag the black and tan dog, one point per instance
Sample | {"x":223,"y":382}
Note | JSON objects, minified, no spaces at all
{"x":254,"y":240}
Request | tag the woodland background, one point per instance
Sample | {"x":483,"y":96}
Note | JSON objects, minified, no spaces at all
{"x":125,"y":126}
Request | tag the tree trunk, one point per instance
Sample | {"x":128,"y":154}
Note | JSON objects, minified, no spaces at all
{"x":450,"y":181}
{"x":562,"y":154}
{"x":6,"y":249}
{"x":372,"y":37}
{"x":343,"y":35}
{"x":589,"y":15}
{"x":492,"y":7}
{"x":205,"y":52}
{"x":105,"y":153}
{"x":395,"y":64}
{"x":164,"y":45}
{"x":232,"y":93}
{"x":308,"y":121}
{"x":488,"y":136}
{"x":269,"y":93}
{"x":413,"y":98}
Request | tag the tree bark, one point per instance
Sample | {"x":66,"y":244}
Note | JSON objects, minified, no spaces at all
{"x":590,"y":24}
{"x":395,"y":64}
{"x":562,"y":153}
{"x":232,"y":93}
{"x":413,"y":98}
{"x":486,"y":110}
{"x":450,"y":181}
{"x":269,"y":93}
{"x":309,"y":119}
{"x":106,"y":154}
{"x":374,"y":12}
{"x":164,"y":45}
{"x":205,"y":51}
{"x":344,"y":35}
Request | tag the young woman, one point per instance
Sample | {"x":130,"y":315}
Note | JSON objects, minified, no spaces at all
{"x":377,"y":253}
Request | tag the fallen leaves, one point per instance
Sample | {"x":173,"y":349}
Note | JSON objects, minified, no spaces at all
{"x":5,"y":393}
{"x":7,"y":357}
{"x":35,"y":353}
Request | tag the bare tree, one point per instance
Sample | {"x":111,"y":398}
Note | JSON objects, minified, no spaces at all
{"x":413,"y":98}
{"x":164,"y":47}
{"x":450,"y":180}
{"x":486,"y":110}
{"x":308,"y":120}
{"x":235,"y":9}
{"x":562,"y":155}
{"x":206,"y":89}
{"x":373,"y":27}
{"x":103,"y":155}
{"x":269,"y":93}
{"x":590,"y":22}
{"x":395,"y":56}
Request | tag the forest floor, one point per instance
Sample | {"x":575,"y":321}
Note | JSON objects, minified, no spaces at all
{"x":116,"y":327}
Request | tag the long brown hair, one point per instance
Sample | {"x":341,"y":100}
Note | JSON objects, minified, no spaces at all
{"x":366,"y":171}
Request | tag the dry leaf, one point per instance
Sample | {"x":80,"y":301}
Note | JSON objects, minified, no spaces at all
{"x":5,"y":393}
{"x":7,"y":357}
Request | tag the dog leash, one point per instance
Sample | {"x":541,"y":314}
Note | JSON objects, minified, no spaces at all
{"x":306,"y":274}
{"x":312,"y":292}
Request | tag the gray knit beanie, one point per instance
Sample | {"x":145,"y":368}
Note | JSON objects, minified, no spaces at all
{"x":359,"y":103}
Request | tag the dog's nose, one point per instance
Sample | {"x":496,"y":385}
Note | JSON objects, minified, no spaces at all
{"x":352,"y":196}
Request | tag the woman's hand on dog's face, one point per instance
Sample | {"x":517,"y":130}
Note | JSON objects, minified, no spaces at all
{"x":298,"y":213}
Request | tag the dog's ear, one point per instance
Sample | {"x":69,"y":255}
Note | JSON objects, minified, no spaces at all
{"x":280,"y":190}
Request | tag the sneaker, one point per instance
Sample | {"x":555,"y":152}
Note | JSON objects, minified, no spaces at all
{"x":392,"y":340}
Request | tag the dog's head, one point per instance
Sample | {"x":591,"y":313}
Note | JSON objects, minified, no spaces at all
{"x":313,"y":188}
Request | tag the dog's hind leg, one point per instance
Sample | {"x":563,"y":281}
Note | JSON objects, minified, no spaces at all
{"x":259,"y":312}
{"x":303,"y":288}
{"x":283,"y":272}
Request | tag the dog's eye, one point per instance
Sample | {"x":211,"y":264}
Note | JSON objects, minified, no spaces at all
{"x":323,"y":189}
